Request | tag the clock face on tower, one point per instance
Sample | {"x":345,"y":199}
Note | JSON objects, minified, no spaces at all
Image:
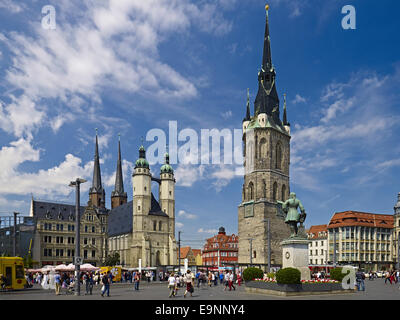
{"x":287,"y":255}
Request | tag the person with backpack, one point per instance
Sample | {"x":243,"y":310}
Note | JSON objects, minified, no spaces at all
{"x":89,"y":283}
{"x":106,"y":284}
{"x":360,"y":277}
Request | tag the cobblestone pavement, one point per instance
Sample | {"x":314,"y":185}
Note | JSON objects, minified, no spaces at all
{"x":375,"y":290}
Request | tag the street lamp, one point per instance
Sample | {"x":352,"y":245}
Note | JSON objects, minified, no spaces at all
{"x":77,"y":261}
{"x":15,"y":234}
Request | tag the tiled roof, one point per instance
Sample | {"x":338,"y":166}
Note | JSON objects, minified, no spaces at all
{"x":56,"y":211}
{"x":318,"y":232}
{"x":120,"y":219}
{"x":196,"y":252}
{"x":365,"y":219}
{"x":184,"y":252}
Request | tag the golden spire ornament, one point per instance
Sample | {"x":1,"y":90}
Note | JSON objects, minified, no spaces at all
{"x":267,"y":7}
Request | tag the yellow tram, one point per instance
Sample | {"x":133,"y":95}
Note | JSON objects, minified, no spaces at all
{"x":12,"y":271}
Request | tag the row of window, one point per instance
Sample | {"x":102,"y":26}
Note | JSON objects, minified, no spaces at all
{"x":250,"y":192}
{"x":69,"y":240}
{"x":221,"y":254}
{"x":316,"y":243}
{"x":260,"y":151}
{"x":317,"y":261}
{"x":70,"y":227}
{"x":316,"y":252}
{"x":69,"y":253}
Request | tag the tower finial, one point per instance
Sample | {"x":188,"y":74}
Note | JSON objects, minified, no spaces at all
{"x":267,"y":7}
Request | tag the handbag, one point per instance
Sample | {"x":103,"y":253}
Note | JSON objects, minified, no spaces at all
{"x":103,"y":287}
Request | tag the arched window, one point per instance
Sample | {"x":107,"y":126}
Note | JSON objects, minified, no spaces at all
{"x":278,"y":164}
{"x":264,"y":189}
{"x":263,"y":148}
{"x":160,"y":226}
{"x":155,"y":225}
{"x":254,"y":254}
{"x":251,"y":191}
{"x":255,"y":149}
{"x":283,"y":193}
{"x":274,"y":191}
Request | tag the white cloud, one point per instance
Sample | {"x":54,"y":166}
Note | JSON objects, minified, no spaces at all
{"x":179,"y":224}
{"x":53,"y":181}
{"x":226,"y":115}
{"x":298,"y":99}
{"x":212,"y":231}
{"x":11,"y":6}
{"x":185,"y":215}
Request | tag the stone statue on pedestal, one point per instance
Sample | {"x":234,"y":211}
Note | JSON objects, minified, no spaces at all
{"x":293,"y":217}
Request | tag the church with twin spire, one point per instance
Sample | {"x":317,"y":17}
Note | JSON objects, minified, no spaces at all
{"x":142,"y":229}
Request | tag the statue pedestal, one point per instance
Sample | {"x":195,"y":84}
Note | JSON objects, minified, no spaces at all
{"x":295,"y":255}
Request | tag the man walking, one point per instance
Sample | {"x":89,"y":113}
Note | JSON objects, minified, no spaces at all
{"x":106,"y":284}
{"x":360,"y":280}
{"x":137,"y":281}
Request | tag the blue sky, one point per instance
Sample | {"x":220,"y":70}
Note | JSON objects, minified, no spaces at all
{"x":128,"y":67}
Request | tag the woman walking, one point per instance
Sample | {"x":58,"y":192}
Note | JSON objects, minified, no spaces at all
{"x":171,"y":285}
{"x":189,"y":284}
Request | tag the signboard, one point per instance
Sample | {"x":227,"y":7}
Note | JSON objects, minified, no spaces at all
{"x":78,"y":261}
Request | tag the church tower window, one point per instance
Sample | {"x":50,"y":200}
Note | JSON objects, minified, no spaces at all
{"x":274,"y":191}
{"x":279,"y":156}
{"x":251,"y":191}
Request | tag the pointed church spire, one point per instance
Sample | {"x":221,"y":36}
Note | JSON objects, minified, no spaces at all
{"x":285,"y":123}
{"x":96,"y":185}
{"x":267,"y":100}
{"x":118,"y":196}
{"x":119,"y":182}
{"x":96,"y":192}
{"x":267,"y":60}
{"x":248,"y":117}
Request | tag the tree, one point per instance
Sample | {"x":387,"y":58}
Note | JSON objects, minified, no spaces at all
{"x":112,"y":260}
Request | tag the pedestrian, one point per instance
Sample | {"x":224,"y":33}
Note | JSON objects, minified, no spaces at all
{"x":172,"y":285}
{"x":209,"y":278}
{"x":230,"y":281}
{"x":239,"y":278}
{"x":57,"y":282}
{"x":221,"y":278}
{"x":226,"y":280}
{"x":387,"y":277}
{"x":360,"y":277}
{"x":106,"y":284}
{"x":137,"y":281}
{"x":89,"y":283}
{"x":189,"y":284}
{"x":198,"y":278}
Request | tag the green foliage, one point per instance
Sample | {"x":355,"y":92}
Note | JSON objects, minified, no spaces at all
{"x":112,"y":260}
{"x":336,"y":274}
{"x":252,"y":273}
{"x":271,"y":275}
{"x":288,"y":276}
{"x":28,"y":261}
